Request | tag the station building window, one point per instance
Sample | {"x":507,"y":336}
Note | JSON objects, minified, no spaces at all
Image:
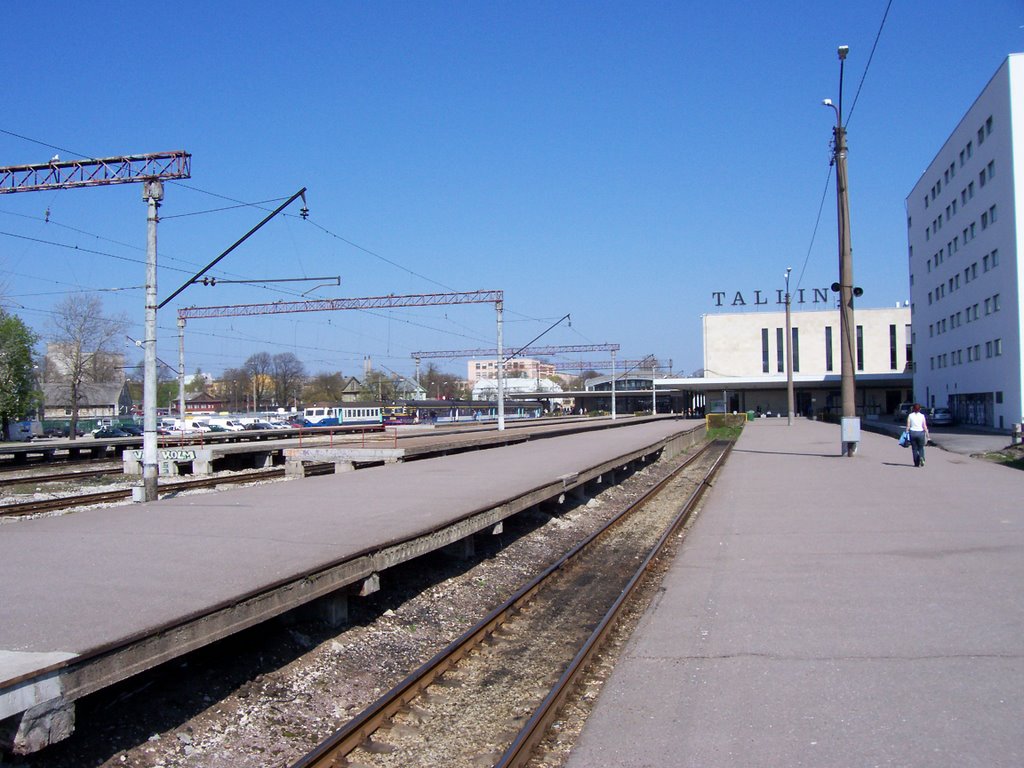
{"x":780,"y":340}
{"x":764,"y":350}
{"x":796,"y":350}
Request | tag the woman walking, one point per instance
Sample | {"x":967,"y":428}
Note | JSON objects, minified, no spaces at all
{"x":917,"y":426}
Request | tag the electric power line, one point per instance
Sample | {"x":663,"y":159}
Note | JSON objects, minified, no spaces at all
{"x":817,"y":221}
{"x":868,"y":65}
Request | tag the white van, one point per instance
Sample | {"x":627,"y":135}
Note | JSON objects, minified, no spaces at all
{"x":228,"y":425}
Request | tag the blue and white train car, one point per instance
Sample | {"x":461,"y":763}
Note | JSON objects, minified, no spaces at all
{"x":347,"y":415}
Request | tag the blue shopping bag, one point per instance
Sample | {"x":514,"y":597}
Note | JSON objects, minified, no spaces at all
{"x":905,"y":438}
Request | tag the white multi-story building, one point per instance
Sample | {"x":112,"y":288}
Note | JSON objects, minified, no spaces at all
{"x":517,"y":367}
{"x":964,"y":220}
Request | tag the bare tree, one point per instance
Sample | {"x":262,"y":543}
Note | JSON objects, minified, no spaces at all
{"x":324,"y":388}
{"x":235,"y":386}
{"x":259,"y":367}
{"x":289,"y":375}
{"x":84,"y":345}
{"x":445,"y":386}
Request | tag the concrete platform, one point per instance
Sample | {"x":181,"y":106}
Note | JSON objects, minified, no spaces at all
{"x":91,"y":598}
{"x":831,"y":611}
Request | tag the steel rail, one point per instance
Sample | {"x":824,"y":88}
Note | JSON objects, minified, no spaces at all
{"x":337,"y":746}
{"x":56,"y":477}
{"x":100,"y":497}
{"x":520,"y":751}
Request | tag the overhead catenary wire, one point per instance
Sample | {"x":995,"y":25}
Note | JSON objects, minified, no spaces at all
{"x":849,"y":115}
{"x":817,"y":222}
{"x":237,"y":204}
{"x":868,"y":65}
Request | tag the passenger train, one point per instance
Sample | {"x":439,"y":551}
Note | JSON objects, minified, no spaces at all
{"x":457,"y":411}
{"x":347,"y":415}
{"x":416,"y":412}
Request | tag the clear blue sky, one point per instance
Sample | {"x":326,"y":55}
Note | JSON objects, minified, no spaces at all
{"x":616,"y":161}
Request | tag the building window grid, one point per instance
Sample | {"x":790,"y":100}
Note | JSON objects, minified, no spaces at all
{"x":860,"y":347}
{"x":828,"y":348}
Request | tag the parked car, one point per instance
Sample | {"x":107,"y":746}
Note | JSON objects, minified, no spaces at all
{"x":940,"y":417}
{"x":105,"y":432}
{"x":132,"y":429}
{"x":903,"y":411}
{"x":64,"y":431}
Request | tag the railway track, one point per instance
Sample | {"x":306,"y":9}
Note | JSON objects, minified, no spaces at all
{"x":38,"y":506}
{"x":490,"y":696}
{"x":60,"y":477}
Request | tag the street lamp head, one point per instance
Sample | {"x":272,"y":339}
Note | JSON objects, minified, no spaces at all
{"x":826,"y":102}
{"x":843,"y":50}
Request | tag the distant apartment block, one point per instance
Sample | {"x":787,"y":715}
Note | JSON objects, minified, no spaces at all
{"x":517,"y":368}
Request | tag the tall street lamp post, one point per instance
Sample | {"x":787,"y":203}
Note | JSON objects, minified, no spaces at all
{"x":789,"y":353}
{"x":850,"y":422}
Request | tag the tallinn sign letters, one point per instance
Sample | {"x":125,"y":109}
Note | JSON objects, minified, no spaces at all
{"x":800,"y":296}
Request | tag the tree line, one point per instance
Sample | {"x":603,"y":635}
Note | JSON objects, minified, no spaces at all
{"x":89,"y":341}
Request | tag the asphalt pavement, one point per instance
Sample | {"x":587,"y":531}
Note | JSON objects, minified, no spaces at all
{"x":831,"y":611}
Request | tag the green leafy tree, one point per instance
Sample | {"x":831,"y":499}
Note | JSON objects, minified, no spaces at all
{"x":197,"y":383}
{"x":18,"y":393}
{"x":578,"y":383}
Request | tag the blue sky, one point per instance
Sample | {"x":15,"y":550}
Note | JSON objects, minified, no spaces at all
{"x":616,"y":161}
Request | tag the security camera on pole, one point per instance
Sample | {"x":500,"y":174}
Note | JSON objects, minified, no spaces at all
{"x":850,"y":423}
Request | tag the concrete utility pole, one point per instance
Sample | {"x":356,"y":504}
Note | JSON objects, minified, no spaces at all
{"x":789,"y":352}
{"x":850,"y":422}
{"x":499,"y":307}
{"x":149,"y":169}
{"x":614,"y":416}
{"x":181,"y":369}
{"x":152,"y":193}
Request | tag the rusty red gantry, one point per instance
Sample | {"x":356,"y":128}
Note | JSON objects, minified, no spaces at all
{"x":93,"y":172}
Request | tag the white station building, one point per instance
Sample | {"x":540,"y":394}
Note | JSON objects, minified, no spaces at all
{"x":964,"y":233}
{"x":745,"y":365}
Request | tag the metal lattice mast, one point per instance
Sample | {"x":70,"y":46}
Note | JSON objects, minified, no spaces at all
{"x":366,"y":302}
{"x":151,"y":170}
{"x":537,"y":351}
{"x":94,"y":172}
{"x":331,"y":305}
